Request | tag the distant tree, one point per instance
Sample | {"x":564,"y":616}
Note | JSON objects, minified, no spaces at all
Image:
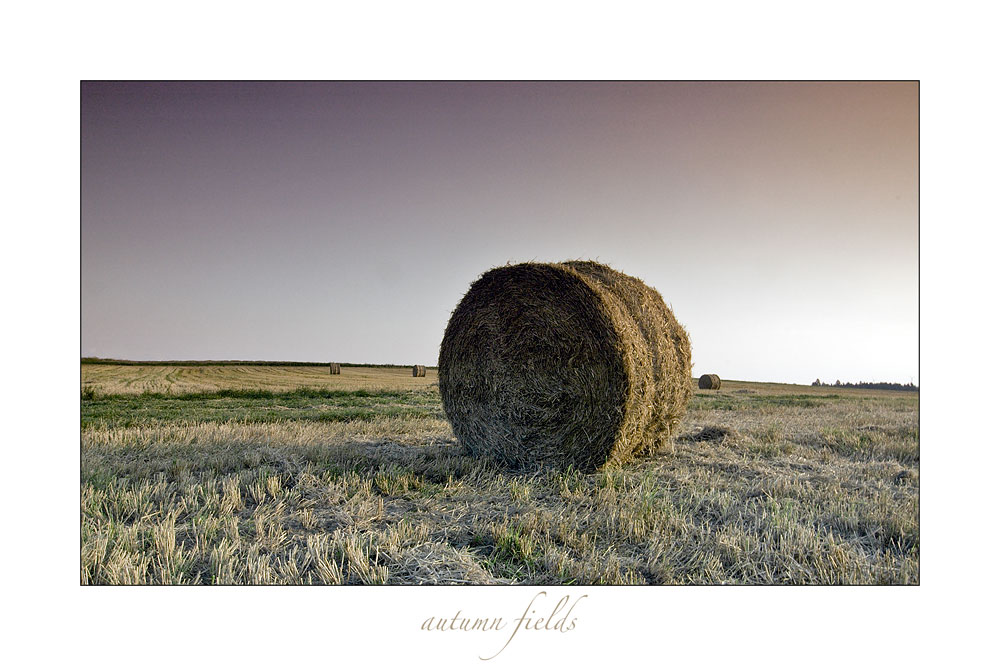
{"x":888,"y":386}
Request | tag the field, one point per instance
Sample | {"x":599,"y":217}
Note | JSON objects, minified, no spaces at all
{"x":136,"y":379}
{"x":290,"y":475}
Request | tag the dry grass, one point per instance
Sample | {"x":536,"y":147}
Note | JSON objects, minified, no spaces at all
{"x":767,"y":484}
{"x":137,"y":379}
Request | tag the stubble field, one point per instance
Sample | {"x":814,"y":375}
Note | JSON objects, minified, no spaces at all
{"x":290,"y":475}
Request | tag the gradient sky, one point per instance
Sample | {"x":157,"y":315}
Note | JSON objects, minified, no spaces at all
{"x":344,"y":221}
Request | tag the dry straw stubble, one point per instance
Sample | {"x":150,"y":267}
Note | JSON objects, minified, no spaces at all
{"x":563,"y":364}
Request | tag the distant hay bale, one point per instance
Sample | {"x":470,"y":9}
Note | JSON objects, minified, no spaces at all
{"x":709,"y":382}
{"x":419,"y":371}
{"x":563,"y":364}
{"x":334,"y":368}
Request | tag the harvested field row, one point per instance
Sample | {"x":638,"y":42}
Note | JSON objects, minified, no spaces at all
{"x":767,"y":483}
{"x":398,"y":501}
{"x":105,"y":379}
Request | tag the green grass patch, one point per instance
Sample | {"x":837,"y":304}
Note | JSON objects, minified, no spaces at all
{"x":256,"y":406}
{"x":514,"y":555}
{"x":702,"y":402}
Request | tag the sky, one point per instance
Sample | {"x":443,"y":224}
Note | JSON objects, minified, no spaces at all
{"x":343,"y":221}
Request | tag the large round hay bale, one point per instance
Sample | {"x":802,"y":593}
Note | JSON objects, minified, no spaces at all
{"x":334,"y":368}
{"x":563,"y":364}
{"x":419,"y":371}
{"x":709,"y":382}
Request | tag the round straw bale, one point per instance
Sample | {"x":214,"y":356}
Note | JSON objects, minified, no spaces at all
{"x":419,"y":371}
{"x":563,"y":364}
{"x":709,"y":382}
{"x":334,"y":368}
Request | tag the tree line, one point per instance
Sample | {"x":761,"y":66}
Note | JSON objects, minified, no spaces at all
{"x":889,"y":386}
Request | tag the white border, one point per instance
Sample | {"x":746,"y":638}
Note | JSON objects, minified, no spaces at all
{"x":50,"y":49}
